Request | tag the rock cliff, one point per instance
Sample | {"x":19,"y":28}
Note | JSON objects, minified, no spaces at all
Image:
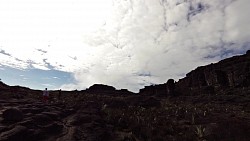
{"x":230,"y":73}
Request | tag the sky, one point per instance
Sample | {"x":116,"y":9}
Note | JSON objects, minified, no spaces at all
{"x":73,"y":44}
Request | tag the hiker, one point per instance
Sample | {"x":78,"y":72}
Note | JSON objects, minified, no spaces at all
{"x":59,"y":94}
{"x":45,"y":95}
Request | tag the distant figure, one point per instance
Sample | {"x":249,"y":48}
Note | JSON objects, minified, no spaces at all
{"x":59,"y":94}
{"x":171,"y":87}
{"x":45,"y":95}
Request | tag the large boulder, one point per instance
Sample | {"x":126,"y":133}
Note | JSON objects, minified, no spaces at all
{"x":12,"y":115}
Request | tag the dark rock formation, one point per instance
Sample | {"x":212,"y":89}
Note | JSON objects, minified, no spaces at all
{"x":42,"y":119}
{"x":150,"y":102}
{"x":229,"y":73}
{"x":215,"y":78}
{"x":248,"y":52}
{"x":12,"y":115}
{"x":171,"y":87}
{"x":3,"y":85}
{"x":166,"y":89}
{"x":160,"y":90}
{"x":17,"y":133}
{"x":105,"y":89}
{"x":101,"y":87}
{"x":117,"y":104}
{"x":124,"y":92}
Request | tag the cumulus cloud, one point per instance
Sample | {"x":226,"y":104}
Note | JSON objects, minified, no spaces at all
{"x":127,"y":44}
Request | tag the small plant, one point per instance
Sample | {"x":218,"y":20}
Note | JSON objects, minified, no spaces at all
{"x":193,"y":120}
{"x":200,"y":132}
{"x":204,"y":113}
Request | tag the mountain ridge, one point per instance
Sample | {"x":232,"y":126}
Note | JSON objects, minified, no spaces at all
{"x":233,"y":72}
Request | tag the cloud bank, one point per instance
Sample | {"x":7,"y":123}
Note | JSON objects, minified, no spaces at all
{"x":124,"y":43}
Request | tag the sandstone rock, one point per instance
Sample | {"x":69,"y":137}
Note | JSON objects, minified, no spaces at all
{"x":81,"y":119}
{"x":53,"y":128}
{"x":42,"y":119}
{"x":28,"y":123}
{"x":12,"y":115}
{"x":36,"y":110}
{"x":18,"y":133}
{"x":160,"y":90}
{"x":52,"y":115}
{"x":229,"y":73}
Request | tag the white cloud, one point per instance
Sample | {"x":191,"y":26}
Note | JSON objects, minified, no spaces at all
{"x":237,"y":22}
{"x":127,"y":43}
{"x":48,"y":85}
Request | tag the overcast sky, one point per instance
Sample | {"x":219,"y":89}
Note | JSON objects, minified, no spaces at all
{"x":123,"y":43}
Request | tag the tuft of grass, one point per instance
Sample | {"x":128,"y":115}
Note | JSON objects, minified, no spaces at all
{"x":200,"y":132}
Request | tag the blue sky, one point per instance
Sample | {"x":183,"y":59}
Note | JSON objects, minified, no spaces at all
{"x":73,"y":44}
{"x":34,"y":78}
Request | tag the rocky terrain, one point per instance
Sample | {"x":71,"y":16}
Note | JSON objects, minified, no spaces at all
{"x":212,"y":103}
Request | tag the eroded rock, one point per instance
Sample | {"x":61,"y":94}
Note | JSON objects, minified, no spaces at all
{"x":18,"y":133}
{"x":12,"y":115}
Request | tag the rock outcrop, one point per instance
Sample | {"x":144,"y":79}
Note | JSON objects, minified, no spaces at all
{"x":105,"y":89}
{"x":160,"y":90}
{"x":101,"y":87}
{"x":166,"y":89}
{"x":215,"y":78}
{"x":233,"y":72}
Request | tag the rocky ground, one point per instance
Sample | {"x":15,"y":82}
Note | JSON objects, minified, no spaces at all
{"x":97,"y":117}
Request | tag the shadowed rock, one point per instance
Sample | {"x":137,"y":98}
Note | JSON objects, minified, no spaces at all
{"x":18,"y":133}
{"x":101,"y":87}
{"x":229,"y":73}
{"x":248,"y":52}
{"x":117,"y":104}
{"x":150,"y":102}
{"x":12,"y":115}
{"x":171,"y":87}
{"x":42,"y":119}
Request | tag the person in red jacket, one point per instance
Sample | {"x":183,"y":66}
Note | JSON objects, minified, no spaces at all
{"x":45,"y":95}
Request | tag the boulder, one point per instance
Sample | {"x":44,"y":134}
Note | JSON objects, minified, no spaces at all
{"x":42,"y":119}
{"x":12,"y":115}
